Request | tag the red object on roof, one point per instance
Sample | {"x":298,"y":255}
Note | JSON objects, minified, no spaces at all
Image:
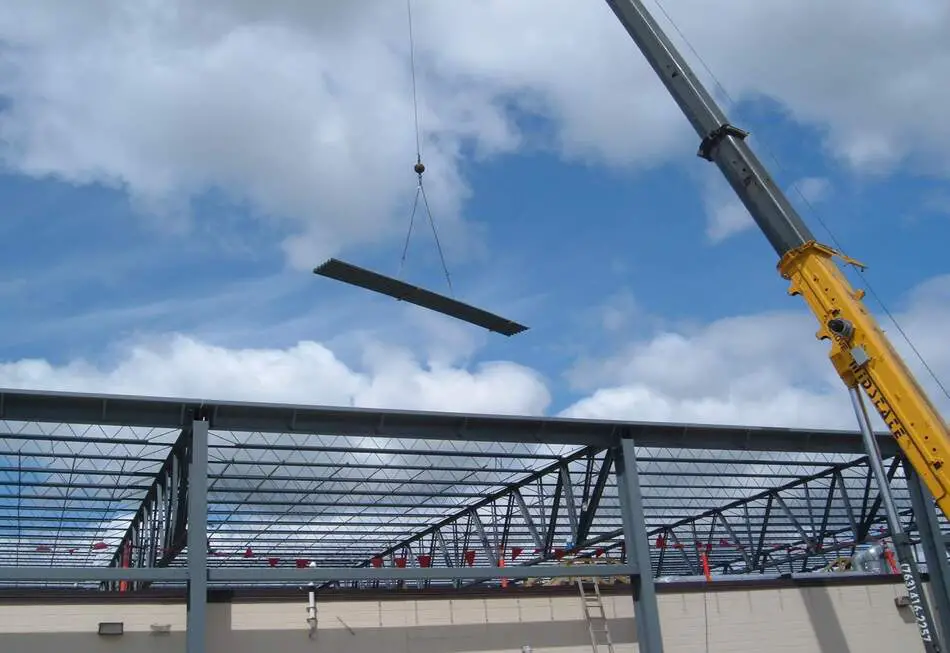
{"x":516,"y":551}
{"x":400,"y":562}
{"x":248,"y":553}
{"x":272,"y":562}
{"x":43,"y":548}
{"x":469,"y":558}
{"x":377,"y":562}
{"x":425,"y":561}
{"x":99,"y":546}
{"x":301,"y":563}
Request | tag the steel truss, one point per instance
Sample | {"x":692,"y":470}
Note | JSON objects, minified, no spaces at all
{"x":793,"y":528}
{"x":569,"y":510}
{"x":129,"y":492}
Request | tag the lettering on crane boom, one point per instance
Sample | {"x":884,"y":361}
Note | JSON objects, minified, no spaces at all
{"x":880,"y":402}
{"x":916,"y":603}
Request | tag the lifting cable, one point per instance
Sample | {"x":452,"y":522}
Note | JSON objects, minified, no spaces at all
{"x":419,"y":168}
{"x":812,"y":210}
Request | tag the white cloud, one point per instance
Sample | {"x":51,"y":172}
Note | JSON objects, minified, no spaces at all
{"x":303,"y":109}
{"x":309,"y":373}
{"x":760,"y":369}
{"x":726,"y":216}
{"x":764,"y":369}
{"x":813,"y":189}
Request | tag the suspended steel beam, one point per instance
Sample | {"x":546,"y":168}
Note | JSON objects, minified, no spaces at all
{"x":402,"y":291}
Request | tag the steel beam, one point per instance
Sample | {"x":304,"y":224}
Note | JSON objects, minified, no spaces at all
{"x":526,"y":517}
{"x":592,"y":501}
{"x":646,"y":610}
{"x":343,"y":574}
{"x":197,"y":536}
{"x":491,"y":553}
{"x":92,"y":574}
{"x":570,"y":503}
{"x":134,"y":411}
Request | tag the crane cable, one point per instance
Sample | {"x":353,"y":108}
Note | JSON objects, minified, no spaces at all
{"x":420,"y":168}
{"x":812,"y":209}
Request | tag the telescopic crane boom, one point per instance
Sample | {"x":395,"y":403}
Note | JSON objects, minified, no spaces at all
{"x":860,"y":352}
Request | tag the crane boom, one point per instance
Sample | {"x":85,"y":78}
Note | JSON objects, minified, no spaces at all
{"x":860,"y":351}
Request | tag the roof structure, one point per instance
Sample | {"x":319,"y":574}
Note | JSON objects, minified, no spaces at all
{"x":94,"y":480}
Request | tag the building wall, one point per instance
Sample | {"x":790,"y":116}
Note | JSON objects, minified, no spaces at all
{"x":820,"y":619}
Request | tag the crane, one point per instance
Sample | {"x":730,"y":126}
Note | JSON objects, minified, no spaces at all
{"x":860,"y":352}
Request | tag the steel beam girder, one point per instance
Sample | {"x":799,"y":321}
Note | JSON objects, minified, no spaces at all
{"x":157,"y":532}
{"x":291,"y":575}
{"x":84,"y":574}
{"x":314,"y":574}
{"x":155,"y":412}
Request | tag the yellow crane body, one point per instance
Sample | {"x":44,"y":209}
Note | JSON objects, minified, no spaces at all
{"x":864,"y":357}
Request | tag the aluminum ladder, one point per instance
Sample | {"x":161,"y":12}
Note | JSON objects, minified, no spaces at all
{"x":593,"y":605}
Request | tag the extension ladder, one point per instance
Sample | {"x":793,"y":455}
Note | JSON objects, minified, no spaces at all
{"x":596,"y":616}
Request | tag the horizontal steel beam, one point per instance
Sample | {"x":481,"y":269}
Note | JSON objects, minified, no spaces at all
{"x":123,"y":410}
{"x":100,"y":574}
{"x":323,"y":574}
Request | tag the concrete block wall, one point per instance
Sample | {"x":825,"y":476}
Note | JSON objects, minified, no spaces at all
{"x":825,"y":619}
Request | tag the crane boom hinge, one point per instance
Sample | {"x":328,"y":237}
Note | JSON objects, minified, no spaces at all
{"x":715,"y":137}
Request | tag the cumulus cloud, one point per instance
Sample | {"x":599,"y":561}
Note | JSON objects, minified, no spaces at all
{"x":726,"y":216}
{"x":309,"y":372}
{"x":302,"y":110}
{"x":758,"y":369}
{"x":764,"y":369}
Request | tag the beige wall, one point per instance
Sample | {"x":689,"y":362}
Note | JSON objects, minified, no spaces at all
{"x":830,"y":619}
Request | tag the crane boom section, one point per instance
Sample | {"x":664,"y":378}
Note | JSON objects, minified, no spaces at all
{"x":864,"y":357}
{"x":722,"y":143}
{"x":860,"y":352}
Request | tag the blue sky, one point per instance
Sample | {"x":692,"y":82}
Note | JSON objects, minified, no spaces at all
{"x":595,"y":241}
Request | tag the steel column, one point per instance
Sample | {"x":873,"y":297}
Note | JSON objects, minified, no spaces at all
{"x":197,"y":536}
{"x":935,"y":549}
{"x":646,"y":610}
